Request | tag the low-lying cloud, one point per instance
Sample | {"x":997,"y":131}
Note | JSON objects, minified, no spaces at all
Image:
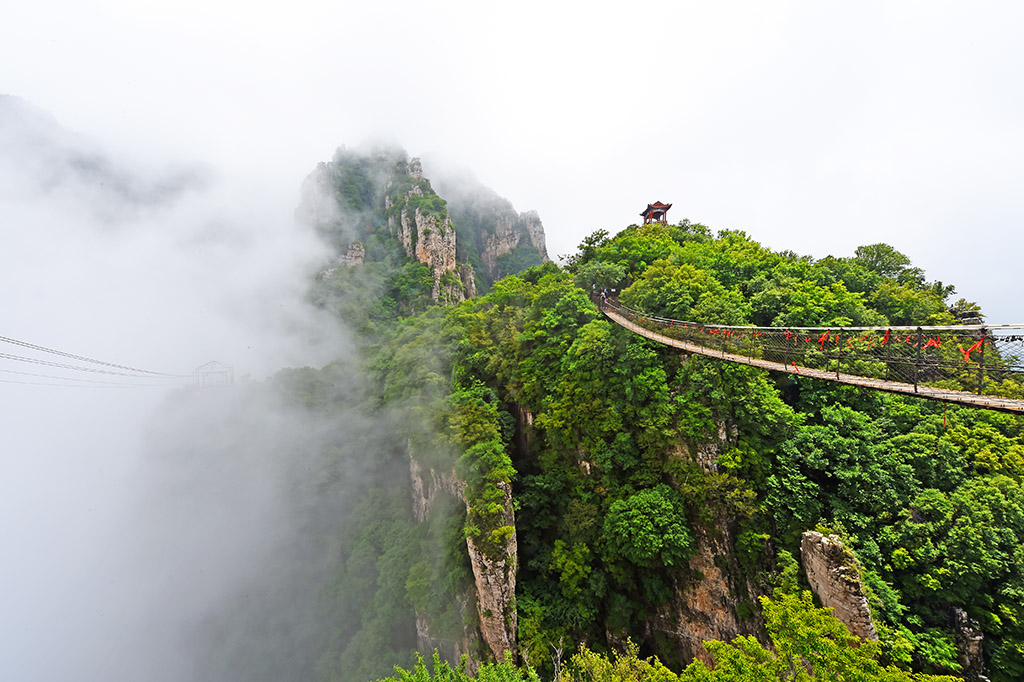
{"x":131,"y":518}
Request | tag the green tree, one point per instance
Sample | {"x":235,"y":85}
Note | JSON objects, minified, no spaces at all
{"x":649,"y":529}
{"x":599,"y":275}
{"x":588,"y":666}
{"x":808,"y":643}
{"x":796,"y":302}
{"x":684,"y":292}
{"x":881,"y":258}
{"x":967,"y":312}
{"x":442,"y":671}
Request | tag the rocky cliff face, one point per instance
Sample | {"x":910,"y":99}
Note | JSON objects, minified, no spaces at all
{"x":493,"y":236}
{"x":707,"y":607}
{"x":367,"y":198}
{"x":494,"y":579}
{"x":511,"y":231}
{"x":355,"y":256}
{"x":832,"y":572}
{"x":970,"y":646}
{"x":428,"y":236}
{"x":427,"y":486}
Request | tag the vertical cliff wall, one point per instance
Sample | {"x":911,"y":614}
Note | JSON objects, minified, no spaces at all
{"x":495,"y":579}
{"x":510,"y":232}
{"x":382,"y":201}
{"x":418,"y":218}
{"x":832,"y":572}
{"x":495,"y":238}
{"x":495,"y":627}
{"x":706,"y":604}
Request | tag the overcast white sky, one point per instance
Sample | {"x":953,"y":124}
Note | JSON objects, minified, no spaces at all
{"x":814,"y":126}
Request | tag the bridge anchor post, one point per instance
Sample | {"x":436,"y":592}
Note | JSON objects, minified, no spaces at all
{"x":917,"y":360}
{"x":839,"y":353}
{"x":888,"y":367}
{"x":981,"y":363}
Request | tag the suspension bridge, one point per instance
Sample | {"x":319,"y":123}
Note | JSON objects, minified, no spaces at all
{"x":976,"y":365}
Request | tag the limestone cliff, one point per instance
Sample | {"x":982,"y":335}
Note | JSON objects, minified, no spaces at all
{"x":510,"y":232}
{"x":707,"y":600}
{"x":418,"y":219}
{"x":427,"y":486}
{"x":705,"y":606}
{"x":969,"y":645}
{"x":383,"y":201}
{"x":493,"y":236}
{"x":494,"y":578}
{"x":355,"y":256}
{"x":832,"y":573}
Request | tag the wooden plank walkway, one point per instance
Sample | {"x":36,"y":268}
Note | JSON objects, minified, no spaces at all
{"x":987,"y":402}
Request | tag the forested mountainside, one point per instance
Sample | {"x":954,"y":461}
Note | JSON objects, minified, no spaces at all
{"x":538,"y":490}
{"x":379,"y":211}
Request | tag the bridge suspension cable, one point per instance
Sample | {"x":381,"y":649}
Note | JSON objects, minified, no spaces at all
{"x":977,"y":365}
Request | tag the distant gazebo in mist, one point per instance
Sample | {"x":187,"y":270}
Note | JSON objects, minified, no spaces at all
{"x":213,"y":373}
{"x":656,"y":213}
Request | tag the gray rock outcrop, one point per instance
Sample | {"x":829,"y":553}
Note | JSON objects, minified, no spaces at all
{"x":969,"y":646}
{"x":494,"y":578}
{"x":832,"y":572}
{"x":427,"y":236}
{"x":509,"y":232}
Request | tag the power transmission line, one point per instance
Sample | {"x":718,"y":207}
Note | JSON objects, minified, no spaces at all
{"x":80,"y":368}
{"x":101,"y":383}
{"x":82,"y":358}
{"x":112,"y":385}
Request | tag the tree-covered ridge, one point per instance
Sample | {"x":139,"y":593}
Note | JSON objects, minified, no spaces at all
{"x":626,"y":463}
{"x":868,"y":463}
{"x":612,"y":409}
{"x":682,"y":271}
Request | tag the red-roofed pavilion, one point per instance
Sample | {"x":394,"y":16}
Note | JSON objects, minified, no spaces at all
{"x":656,"y":213}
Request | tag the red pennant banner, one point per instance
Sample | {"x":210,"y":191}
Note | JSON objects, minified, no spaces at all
{"x":967,"y":353}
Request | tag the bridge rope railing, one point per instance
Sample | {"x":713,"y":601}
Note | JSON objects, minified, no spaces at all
{"x":980,"y":359}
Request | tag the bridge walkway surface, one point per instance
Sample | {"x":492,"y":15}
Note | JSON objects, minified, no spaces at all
{"x":1001,"y":404}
